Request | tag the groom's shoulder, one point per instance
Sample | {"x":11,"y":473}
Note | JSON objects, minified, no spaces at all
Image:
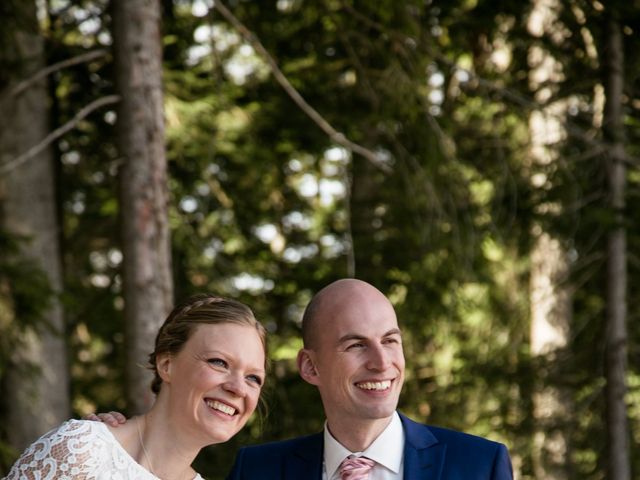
{"x":451,"y":437}
{"x":277,"y":460}
{"x":448,"y":436}
{"x":282,"y":446}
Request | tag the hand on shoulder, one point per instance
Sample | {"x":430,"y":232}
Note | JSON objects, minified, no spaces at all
{"x":113,"y":419}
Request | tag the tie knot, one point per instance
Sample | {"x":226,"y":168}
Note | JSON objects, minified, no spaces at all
{"x":356,"y":468}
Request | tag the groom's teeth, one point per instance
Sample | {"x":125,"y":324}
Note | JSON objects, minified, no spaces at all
{"x":221,"y":407}
{"x":384,"y":385}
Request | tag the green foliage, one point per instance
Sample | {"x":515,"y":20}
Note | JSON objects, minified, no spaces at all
{"x":25,"y":294}
{"x":266,"y":208}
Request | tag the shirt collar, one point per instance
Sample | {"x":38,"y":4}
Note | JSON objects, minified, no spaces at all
{"x":387,"y":449}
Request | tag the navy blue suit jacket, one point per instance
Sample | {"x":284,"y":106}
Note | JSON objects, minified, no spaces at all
{"x":430,"y":453}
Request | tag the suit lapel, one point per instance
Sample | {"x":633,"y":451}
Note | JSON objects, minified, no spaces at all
{"x":305,"y":460}
{"x":423,"y":454}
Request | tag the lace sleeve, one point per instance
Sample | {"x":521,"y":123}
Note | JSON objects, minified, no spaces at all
{"x":65,"y":452}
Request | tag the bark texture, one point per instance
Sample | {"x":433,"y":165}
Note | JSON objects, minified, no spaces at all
{"x":619,"y":465}
{"x":148,"y":287}
{"x":37,"y":383}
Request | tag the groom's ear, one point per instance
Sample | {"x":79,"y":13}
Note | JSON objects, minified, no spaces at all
{"x":307,"y":366}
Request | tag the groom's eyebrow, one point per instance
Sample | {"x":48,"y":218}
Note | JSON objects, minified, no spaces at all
{"x":351,"y":336}
{"x":356,"y":336}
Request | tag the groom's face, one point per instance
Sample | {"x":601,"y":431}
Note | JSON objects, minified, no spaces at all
{"x":358,"y":358}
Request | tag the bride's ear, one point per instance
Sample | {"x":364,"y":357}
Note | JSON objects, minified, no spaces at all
{"x":163,"y":366}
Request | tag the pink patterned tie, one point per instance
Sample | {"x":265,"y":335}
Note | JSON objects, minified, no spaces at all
{"x":356,"y":468}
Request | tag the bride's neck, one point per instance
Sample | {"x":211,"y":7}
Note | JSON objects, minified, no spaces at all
{"x":167,"y":451}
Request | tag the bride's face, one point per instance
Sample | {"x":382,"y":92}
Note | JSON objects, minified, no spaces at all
{"x":214,"y":382}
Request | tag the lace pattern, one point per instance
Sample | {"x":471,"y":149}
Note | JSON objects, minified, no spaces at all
{"x":81,"y":450}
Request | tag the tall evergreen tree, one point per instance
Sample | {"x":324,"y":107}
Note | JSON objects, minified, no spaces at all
{"x":147,"y":282}
{"x":36,"y":387}
{"x":618,"y":461}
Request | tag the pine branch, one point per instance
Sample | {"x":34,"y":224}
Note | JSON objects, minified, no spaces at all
{"x":510,"y":95}
{"x":85,"y":57}
{"x":312,"y":113}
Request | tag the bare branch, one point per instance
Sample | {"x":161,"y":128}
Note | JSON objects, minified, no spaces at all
{"x":85,"y":57}
{"x":336,"y":136}
{"x":58,"y":132}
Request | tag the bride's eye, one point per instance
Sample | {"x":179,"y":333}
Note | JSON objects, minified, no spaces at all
{"x":217,"y":362}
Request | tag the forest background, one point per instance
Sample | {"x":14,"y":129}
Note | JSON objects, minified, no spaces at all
{"x":476,"y":160}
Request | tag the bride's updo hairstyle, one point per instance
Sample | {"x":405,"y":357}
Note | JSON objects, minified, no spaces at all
{"x":197,"y":310}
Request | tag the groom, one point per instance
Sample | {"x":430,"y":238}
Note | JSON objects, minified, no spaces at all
{"x":353,"y":354}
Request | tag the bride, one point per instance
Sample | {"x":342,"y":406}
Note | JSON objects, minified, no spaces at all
{"x":209,"y":367}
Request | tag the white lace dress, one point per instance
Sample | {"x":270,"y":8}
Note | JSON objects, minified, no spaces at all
{"x":78,"y":449}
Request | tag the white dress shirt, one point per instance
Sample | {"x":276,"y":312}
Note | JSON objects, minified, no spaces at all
{"x":387,"y":450}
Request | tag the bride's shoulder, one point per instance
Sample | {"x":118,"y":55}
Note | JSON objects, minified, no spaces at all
{"x":75,"y":447}
{"x":78,"y":426}
{"x":77,"y":429}
{"x":75,"y":435}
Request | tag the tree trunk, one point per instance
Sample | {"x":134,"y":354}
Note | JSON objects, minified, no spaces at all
{"x":550,"y":295}
{"x":38,"y":399}
{"x":551,"y":314}
{"x":616,"y":339}
{"x":148,"y":287}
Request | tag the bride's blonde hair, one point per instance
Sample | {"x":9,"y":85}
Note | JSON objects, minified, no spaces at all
{"x":197,"y":310}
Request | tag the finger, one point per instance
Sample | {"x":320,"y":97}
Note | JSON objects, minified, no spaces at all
{"x":109,"y":419}
{"x":92,"y":416}
{"x":120,"y":418}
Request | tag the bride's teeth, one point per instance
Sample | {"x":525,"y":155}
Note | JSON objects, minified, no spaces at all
{"x":375,"y":385}
{"x":221,"y":407}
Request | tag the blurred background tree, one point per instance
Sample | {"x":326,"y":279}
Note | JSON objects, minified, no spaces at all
{"x":35,"y":377}
{"x":484,"y":206}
